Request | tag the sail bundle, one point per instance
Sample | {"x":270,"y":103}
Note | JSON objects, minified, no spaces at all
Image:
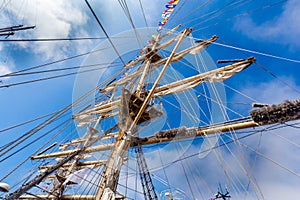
{"x":178,"y":56}
{"x":216,"y":75}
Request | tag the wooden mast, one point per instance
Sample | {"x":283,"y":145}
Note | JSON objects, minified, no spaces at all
{"x":8,"y":31}
{"x":111,"y":173}
{"x":126,"y":140}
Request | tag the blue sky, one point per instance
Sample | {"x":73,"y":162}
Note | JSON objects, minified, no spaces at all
{"x":271,"y":30}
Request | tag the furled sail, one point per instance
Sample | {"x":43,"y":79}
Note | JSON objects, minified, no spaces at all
{"x":216,"y":75}
{"x":178,"y":56}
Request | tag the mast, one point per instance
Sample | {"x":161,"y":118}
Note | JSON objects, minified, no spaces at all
{"x":112,"y":169}
{"x":8,"y":31}
{"x":147,"y":65}
{"x":129,"y":118}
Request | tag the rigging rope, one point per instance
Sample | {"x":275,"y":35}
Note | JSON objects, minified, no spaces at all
{"x":252,"y":169}
{"x":125,"y":8}
{"x":242,"y":157}
{"x":29,"y":157}
{"x":31,"y":132}
{"x":193,"y":11}
{"x":271,"y":160}
{"x":214,"y":14}
{"x":272,"y":74}
{"x":59,"y":69}
{"x":104,"y":31}
{"x":52,"y":77}
{"x":243,"y":14}
{"x":4,"y":4}
{"x":257,"y":52}
{"x":51,"y":39}
{"x":225,"y":117}
{"x":60,"y":112}
{"x":53,"y":62}
{"x":143,"y":12}
{"x":189,"y":167}
{"x":185,"y":175}
{"x":37,"y":139}
{"x":23,"y":123}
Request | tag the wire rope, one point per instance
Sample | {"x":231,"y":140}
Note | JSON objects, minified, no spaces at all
{"x":51,"y":39}
{"x":35,"y":140}
{"x":29,"y":157}
{"x":164,"y":171}
{"x":193,"y":11}
{"x":252,"y":168}
{"x":256,"y":52}
{"x":191,"y":171}
{"x":185,"y":175}
{"x":51,"y":77}
{"x":244,"y":14}
{"x":143,"y":12}
{"x":271,"y":160}
{"x":54,"y":62}
{"x":104,"y":31}
{"x":218,"y":12}
{"x":62,"y":69}
{"x":126,"y":10}
{"x":276,"y":77}
{"x":26,"y":122}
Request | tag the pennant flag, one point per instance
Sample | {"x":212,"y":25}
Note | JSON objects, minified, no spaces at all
{"x":171,"y":6}
{"x":173,"y":2}
{"x":167,"y":13}
{"x":169,"y":10}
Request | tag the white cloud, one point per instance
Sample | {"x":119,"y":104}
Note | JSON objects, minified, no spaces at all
{"x":4,"y":70}
{"x":65,"y":19}
{"x":284,"y":28}
{"x":53,"y":19}
{"x":274,"y":91}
